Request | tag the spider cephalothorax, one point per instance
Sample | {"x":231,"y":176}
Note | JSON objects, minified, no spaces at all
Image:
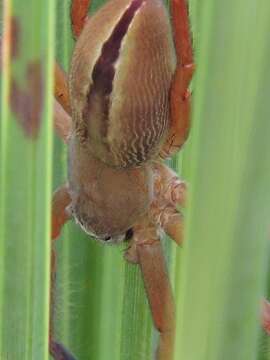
{"x":129,"y":105}
{"x":106,"y":201}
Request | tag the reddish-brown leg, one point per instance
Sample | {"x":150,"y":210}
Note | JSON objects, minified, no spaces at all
{"x":171,"y":221}
{"x":61,"y":88}
{"x":79,"y":10}
{"x":1,"y":45}
{"x":62,"y":122}
{"x":180,"y":95}
{"x":60,"y":215}
{"x":62,"y":110}
{"x":265,"y":316}
{"x":146,"y":250}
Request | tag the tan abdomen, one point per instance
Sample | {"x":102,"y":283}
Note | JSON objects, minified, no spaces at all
{"x":120,"y":88}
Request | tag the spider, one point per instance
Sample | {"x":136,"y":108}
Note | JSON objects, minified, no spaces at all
{"x":124,"y":108}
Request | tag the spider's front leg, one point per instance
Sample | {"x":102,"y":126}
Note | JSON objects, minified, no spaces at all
{"x":146,"y":250}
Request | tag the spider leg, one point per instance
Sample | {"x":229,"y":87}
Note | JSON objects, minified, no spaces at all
{"x":62,"y":121}
{"x":78,"y":13}
{"x":169,"y":192}
{"x":265,"y":316}
{"x":60,"y":215}
{"x":62,"y":111}
{"x":1,"y":45}
{"x":171,"y":221}
{"x":168,"y":186}
{"x":159,"y":293}
{"x":61,"y":88}
{"x":179,"y":94}
{"x":146,"y":250}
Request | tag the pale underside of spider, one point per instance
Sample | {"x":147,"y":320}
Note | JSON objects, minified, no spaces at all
{"x":124,"y":108}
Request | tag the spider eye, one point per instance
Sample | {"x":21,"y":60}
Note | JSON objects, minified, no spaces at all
{"x":129,"y":234}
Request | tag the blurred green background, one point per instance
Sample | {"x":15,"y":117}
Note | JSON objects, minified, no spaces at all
{"x":220,"y":274}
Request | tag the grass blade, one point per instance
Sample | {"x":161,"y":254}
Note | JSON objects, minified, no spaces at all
{"x":225,"y":257}
{"x":25,"y":181}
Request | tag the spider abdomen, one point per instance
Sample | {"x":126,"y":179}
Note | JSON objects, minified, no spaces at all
{"x":120,"y":81}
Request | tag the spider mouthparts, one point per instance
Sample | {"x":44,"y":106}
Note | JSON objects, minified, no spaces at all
{"x":129,"y":234}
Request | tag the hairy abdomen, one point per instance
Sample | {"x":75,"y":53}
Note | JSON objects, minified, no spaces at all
{"x":120,"y":79}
